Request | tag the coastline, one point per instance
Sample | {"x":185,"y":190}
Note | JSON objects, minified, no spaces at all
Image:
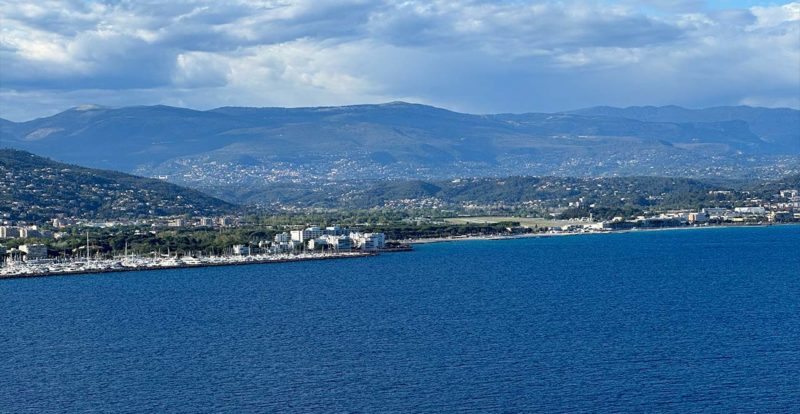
{"x":588,"y":233}
{"x":352,"y":255}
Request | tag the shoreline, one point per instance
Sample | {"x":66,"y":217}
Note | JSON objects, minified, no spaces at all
{"x":353,"y":255}
{"x":433,"y":240}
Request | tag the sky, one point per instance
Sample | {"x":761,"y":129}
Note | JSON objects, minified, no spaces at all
{"x":471,"y":56}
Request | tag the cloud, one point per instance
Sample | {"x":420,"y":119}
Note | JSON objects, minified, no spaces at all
{"x":472,"y":55}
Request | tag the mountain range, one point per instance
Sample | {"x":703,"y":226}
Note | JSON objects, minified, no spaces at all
{"x":243,"y":148}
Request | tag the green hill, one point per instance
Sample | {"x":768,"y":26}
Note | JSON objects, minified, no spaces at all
{"x":36,"y":188}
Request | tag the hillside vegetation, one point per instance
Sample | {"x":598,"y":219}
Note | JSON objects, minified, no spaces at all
{"x":36,"y":188}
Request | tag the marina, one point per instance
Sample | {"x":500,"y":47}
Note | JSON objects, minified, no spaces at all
{"x":134,"y":263}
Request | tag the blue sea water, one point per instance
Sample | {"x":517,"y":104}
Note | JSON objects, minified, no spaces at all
{"x":670,"y":321}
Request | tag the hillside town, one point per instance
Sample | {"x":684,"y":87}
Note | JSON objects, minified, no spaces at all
{"x":32,"y":241}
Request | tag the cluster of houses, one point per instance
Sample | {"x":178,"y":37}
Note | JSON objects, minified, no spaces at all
{"x":740,"y":215}
{"x":21,"y":230}
{"x":314,"y":238}
{"x":784,"y":208}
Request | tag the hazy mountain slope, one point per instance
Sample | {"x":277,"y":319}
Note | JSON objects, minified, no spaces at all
{"x":778,"y":127}
{"x":36,"y":188}
{"x":248,"y":146}
{"x":121,"y":139}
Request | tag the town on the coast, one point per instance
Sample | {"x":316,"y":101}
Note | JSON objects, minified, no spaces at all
{"x":66,"y":245}
{"x":309,"y":243}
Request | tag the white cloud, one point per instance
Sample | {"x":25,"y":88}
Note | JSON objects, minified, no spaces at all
{"x":200,"y":69}
{"x":773,"y":16}
{"x":474,"y":55}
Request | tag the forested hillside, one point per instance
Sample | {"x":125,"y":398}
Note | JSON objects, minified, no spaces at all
{"x":36,"y":188}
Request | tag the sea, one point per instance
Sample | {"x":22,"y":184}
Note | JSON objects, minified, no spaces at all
{"x":685,"y":321}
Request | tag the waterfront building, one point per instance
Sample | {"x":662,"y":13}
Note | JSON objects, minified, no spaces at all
{"x":240,"y":250}
{"x":34,"y":251}
{"x":715,"y":211}
{"x":698,"y":217}
{"x":282,"y":238}
{"x":296,"y":235}
{"x":306,"y":234}
{"x":339,"y":243}
{"x":368,"y":241}
{"x":317,"y":244}
{"x":313,"y":232}
{"x":780,"y":216}
{"x":206,"y":222}
{"x":758,"y":211}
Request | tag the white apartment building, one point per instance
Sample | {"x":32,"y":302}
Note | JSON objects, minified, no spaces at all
{"x":308,"y":233}
{"x":368,"y":241}
{"x":340,"y":243}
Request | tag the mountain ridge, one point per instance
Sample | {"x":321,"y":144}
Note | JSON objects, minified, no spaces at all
{"x":406,"y":140}
{"x":93,"y":107}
